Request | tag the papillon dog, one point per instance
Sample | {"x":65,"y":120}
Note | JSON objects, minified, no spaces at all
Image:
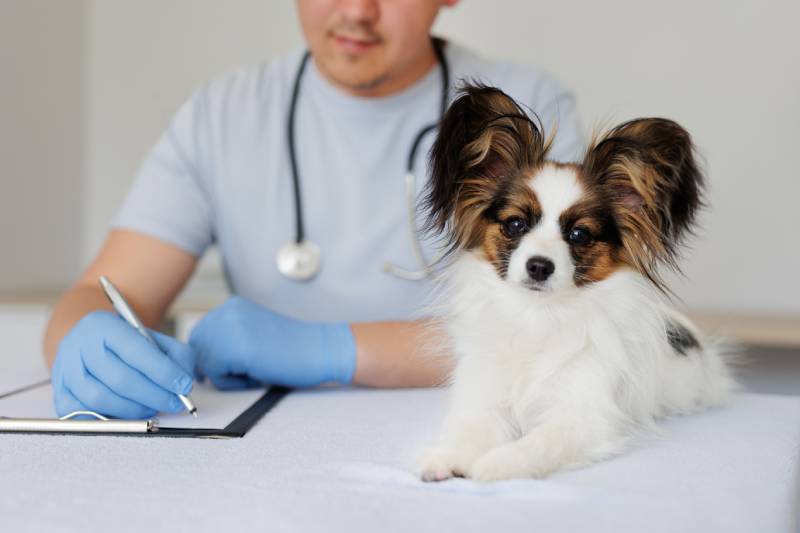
{"x":554,"y":306}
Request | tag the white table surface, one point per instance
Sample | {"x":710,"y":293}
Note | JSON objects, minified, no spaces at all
{"x":341,"y":460}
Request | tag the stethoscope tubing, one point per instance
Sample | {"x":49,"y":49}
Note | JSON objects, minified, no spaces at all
{"x":409,"y":180}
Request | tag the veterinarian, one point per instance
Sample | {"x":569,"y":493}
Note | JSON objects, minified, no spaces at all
{"x":304,"y":172}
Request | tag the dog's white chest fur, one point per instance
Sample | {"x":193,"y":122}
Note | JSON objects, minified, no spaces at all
{"x":548,"y":383}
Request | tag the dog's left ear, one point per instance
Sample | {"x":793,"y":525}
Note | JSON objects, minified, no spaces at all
{"x":646,"y":171}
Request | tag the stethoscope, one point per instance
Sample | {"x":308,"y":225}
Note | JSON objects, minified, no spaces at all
{"x":300,"y":259}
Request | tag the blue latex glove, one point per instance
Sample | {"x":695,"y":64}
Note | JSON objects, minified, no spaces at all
{"x":241,"y":345}
{"x":104,"y":365}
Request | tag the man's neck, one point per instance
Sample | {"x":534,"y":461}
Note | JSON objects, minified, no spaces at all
{"x":393,"y":83}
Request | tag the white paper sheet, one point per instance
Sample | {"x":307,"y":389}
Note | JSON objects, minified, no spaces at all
{"x":215,"y":409}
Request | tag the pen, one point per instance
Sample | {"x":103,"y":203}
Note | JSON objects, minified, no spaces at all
{"x":126,"y":312}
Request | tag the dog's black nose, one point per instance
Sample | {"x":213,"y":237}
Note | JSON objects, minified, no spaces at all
{"x":539,"y":268}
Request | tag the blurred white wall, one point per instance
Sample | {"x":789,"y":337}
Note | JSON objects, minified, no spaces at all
{"x":41,"y":140}
{"x":145,"y":58}
{"x":727,"y":70}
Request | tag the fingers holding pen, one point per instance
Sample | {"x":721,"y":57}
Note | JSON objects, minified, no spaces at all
{"x":105,"y":365}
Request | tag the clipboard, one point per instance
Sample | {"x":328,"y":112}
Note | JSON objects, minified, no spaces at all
{"x":102,"y":426}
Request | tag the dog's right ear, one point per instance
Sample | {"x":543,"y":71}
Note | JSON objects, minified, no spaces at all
{"x":485,"y":139}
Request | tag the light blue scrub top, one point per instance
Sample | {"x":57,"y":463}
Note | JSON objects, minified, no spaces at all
{"x":220,"y":175}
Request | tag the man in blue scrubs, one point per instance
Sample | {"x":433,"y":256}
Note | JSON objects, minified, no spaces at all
{"x":221,"y":175}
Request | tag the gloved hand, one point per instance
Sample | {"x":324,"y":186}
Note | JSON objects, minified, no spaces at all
{"x":104,"y":365}
{"x":241,"y":344}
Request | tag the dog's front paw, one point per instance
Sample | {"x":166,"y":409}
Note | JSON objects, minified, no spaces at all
{"x":508,"y":461}
{"x":498,"y":464}
{"x":440,"y":463}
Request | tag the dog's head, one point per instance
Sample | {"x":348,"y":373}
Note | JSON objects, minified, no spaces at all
{"x":549,"y":226}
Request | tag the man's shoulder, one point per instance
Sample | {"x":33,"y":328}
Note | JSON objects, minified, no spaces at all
{"x":528,"y":83}
{"x":252,"y":83}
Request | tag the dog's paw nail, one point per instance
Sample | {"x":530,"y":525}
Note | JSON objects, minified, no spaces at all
{"x":438,"y":465}
{"x":436,"y":475}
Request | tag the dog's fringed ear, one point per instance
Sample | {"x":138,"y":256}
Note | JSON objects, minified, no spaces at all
{"x":485,"y":138}
{"x":646,"y":171}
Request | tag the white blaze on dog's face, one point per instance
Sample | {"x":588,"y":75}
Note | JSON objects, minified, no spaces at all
{"x":549,"y":226}
{"x":542,"y":260}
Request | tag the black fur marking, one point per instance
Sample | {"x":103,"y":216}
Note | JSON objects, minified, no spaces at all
{"x":680,"y":338}
{"x":499,"y":202}
{"x":609,"y":232}
{"x":595,"y":259}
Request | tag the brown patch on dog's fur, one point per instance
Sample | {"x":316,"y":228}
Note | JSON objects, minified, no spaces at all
{"x":497,"y":248}
{"x":519,"y":201}
{"x":600,"y":257}
{"x":596,"y":264}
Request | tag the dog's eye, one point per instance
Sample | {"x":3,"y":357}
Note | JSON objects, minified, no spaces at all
{"x":514,"y":226}
{"x":579,"y":236}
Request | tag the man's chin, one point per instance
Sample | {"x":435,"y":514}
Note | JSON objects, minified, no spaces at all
{"x":356,"y":77}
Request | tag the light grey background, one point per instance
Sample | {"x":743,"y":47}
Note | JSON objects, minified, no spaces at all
{"x":41,"y":142}
{"x":88,"y":85}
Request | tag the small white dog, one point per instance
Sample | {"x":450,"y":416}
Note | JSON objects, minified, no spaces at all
{"x":553,"y":304}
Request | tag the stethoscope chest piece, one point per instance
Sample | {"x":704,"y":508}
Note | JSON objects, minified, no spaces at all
{"x":298,"y":260}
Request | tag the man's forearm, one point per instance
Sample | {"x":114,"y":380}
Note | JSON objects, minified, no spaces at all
{"x":149,"y":272}
{"x":399,"y":354}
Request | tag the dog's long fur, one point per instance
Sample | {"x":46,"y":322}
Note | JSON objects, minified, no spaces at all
{"x":553,"y":302}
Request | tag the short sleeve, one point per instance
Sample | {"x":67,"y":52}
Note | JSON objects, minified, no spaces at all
{"x":169,"y":199}
{"x":557,"y":109}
